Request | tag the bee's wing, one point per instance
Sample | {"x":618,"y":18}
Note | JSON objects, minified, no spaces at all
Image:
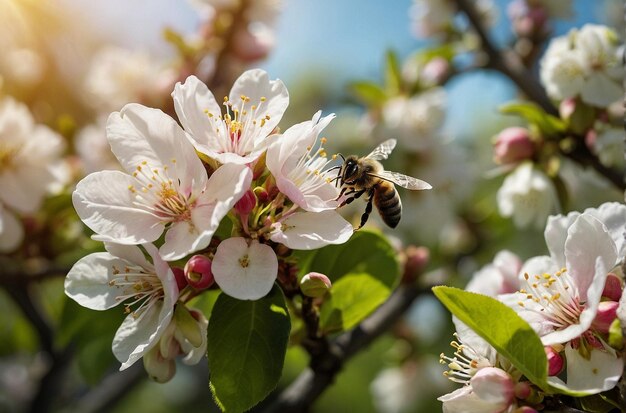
{"x":383,"y":150}
{"x":404,"y":181}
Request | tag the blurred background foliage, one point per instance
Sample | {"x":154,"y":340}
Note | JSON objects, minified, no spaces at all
{"x":47,"y":52}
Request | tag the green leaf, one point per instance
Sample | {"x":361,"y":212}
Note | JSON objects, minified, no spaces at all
{"x":363,"y":271}
{"x":247,"y":341}
{"x":368,"y":92}
{"x":352,"y":299}
{"x":549,"y":125}
{"x":393,"y":75}
{"x":501,"y":327}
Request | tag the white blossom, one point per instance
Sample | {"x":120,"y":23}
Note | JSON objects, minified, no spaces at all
{"x":166,"y":188}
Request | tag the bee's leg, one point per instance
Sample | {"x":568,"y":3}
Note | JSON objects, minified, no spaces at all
{"x":368,"y":209}
{"x":357,"y":194}
{"x":341,"y":193}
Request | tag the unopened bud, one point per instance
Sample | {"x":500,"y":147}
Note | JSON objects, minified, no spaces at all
{"x":525,"y":409}
{"x":416,"y":261}
{"x":314,"y":284}
{"x":158,"y":368}
{"x":188,"y":325}
{"x":607,"y":312}
{"x":513,"y":145}
{"x":253,"y":42}
{"x":435,"y":71}
{"x":198,"y":272}
{"x":612,"y":288}
{"x":522,"y":390}
{"x":555,"y":361}
{"x":567,"y":108}
{"x":246,"y":204}
{"x":179,"y":276}
{"x":259,"y":167}
{"x":493,"y":385}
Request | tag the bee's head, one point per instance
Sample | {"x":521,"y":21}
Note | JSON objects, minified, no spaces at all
{"x":350,"y":169}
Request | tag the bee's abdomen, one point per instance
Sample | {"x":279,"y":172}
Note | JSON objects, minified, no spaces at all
{"x":387,"y":201}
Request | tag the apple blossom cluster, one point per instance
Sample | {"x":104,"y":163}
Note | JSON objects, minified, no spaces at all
{"x":583,"y":72}
{"x":226,"y":168}
{"x":30,"y":157}
{"x":570,"y":298}
{"x":436,"y":17}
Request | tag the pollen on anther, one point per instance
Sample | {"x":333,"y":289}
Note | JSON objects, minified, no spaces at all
{"x":263,"y":99}
{"x":324,"y":140}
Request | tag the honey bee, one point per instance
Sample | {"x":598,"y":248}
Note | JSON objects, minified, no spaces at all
{"x":366,"y":175}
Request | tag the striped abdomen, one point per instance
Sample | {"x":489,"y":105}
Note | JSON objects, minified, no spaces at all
{"x":388,"y":203}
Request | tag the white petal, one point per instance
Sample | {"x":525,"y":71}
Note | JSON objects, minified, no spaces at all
{"x":11,"y":231}
{"x":464,"y":400}
{"x":130,"y":253}
{"x":105,"y":204}
{"x":256,"y":84}
{"x":613,"y":216}
{"x":244,"y":272}
{"x":311,"y":230}
{"x":600,"y":90}
{"x":229,"y":182}
{"x":139,"y":134}
{"x":588,"y":240}
{"x":136,"y":336}
{"x":183,"y":238}
{"x":195,"y":354}
{"x":600,"y":373}
{"x":556,"y":234}
{"x":192,"y":101}
{"x":87,"y":282}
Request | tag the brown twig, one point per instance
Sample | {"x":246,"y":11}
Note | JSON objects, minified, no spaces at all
{"x":312,"y":382}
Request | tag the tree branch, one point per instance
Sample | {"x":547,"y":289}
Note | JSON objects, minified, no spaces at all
{"x":508,"y":64}
{"x":312,"y":382}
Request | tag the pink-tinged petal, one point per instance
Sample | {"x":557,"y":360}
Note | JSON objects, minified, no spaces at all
{"x":165,"y":274}
{"x":473,"y":341}
{"x":130,"y":253}
{"x":588,"y":240}
{"x":594,"y":293}
{"x":556,"y":234}
{"x":613,"y":216}
{"x":193,"y":101}
{"x":599,"y":373}
{"x":230,"y":157}
{"x":311,"y":230}
{"x":291,"y":190}
{"x":138,"y":134}
{"x":256,"y":84}
{"x":183,"y":238}
{"x":136,"y":336}
{"x":245,"y":272}
{"x":464,"y":400}
{"x":228,"y":183}
{"x":493,"y":385}
{"x":87,"y":282}
{"x":105,"y":204}
{"x":11,"y":231}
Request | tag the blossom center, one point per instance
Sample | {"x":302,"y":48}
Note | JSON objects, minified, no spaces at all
{"x":138,"y":287}
{"x":8,"y":153}
{"x":464,"y":364}
{"x":160,"y":194}
{"x":238,"y":128}
{"x":557,"y":298}
{"x":312,"y":169}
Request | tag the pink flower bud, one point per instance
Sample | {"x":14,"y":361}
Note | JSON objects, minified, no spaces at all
{"x":607,"y":311}
{"x":435,"y":71}
{"x":253,"y":42}
{"x":513,"y":145}
{"x":246,"y":204}
{"x":416,"y":261}
{"x":198,"y":272}
{"x":522,"y":390}
{"x":494,"y":385}
{"x":525,"y":409}
{"x":555,"y":361}
{"x":314,"y":284}
{"x":179,"y":276}
{"x":261,"y":194}
{"x":612,"y":288}
{"x":567,"y":108}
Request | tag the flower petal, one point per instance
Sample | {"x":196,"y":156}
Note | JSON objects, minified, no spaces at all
{"x":192,"y":101}
{"x":600,"y":90}
{"x":87,"y":282}
{"x":136,"y":336}
{"x":556,"y":234}
{"x":105,"y":204}
{"x":599,"y":373}
{"x":256,"y":85}
{"x":311,"y":230}
{"x":588,"y":240}
{"x":245,"y":272}
{"x":11,"y":231}
{"x":140,"y":134}
{"x":613,"y":216}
